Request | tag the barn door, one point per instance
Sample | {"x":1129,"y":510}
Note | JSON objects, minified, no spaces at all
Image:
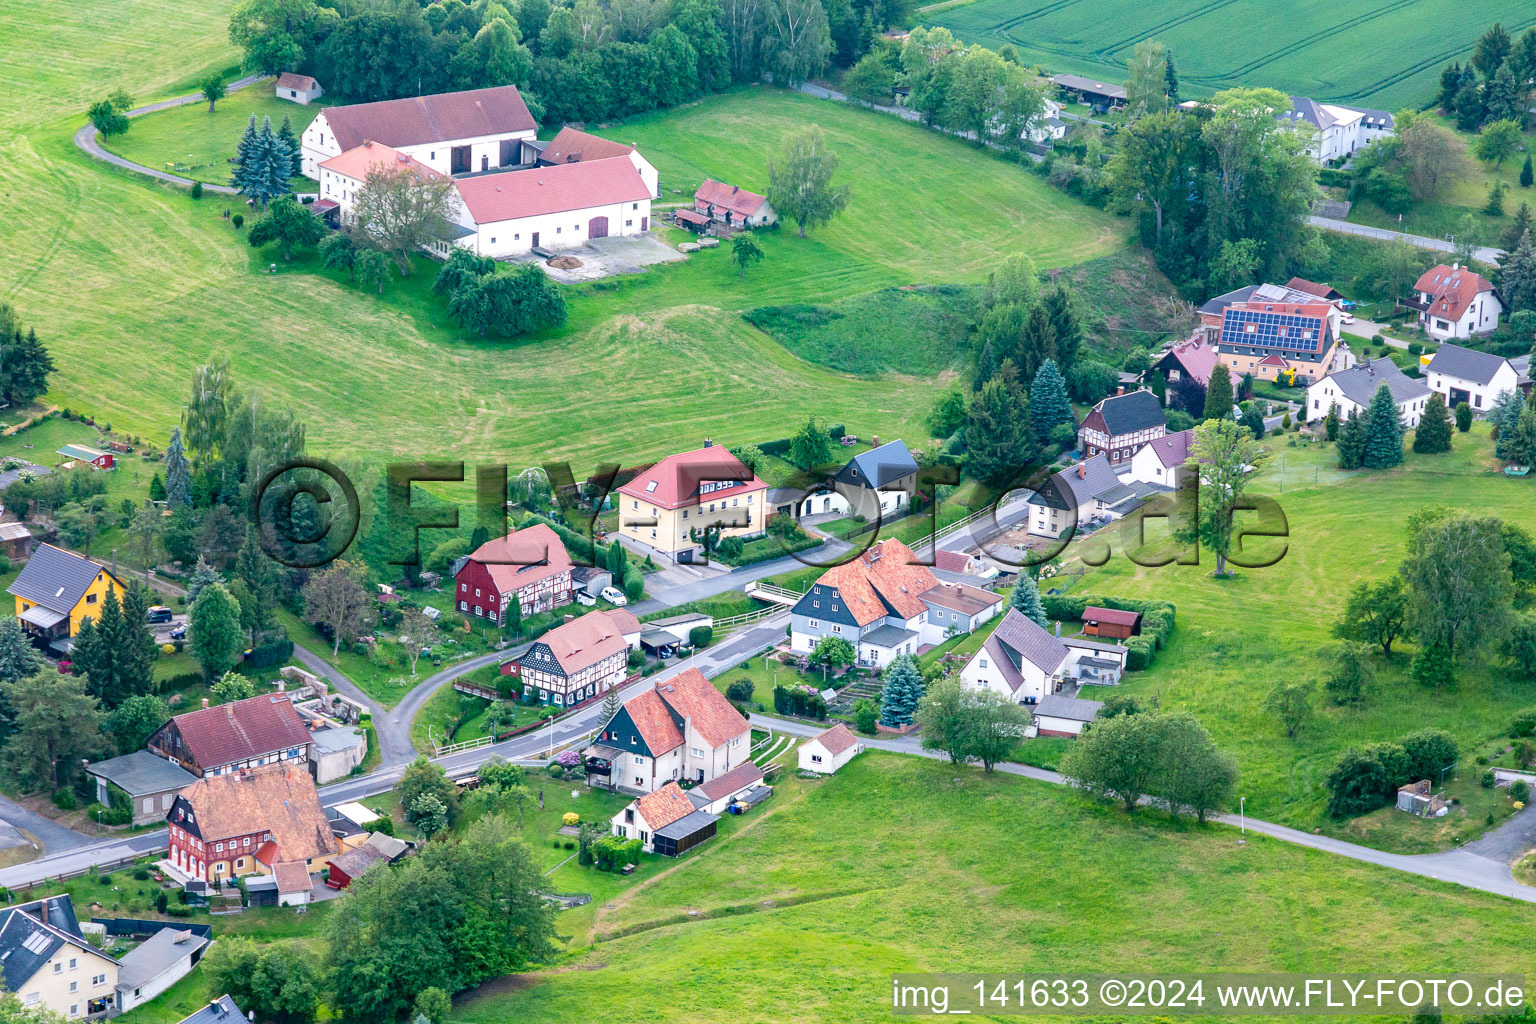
{"x":597,"y":227}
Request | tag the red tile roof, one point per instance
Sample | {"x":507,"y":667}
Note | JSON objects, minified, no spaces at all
{"x":1113,"y":616}
{"x":523,"y":557}
{"x":279,"y":799}
{"x":535,"y":191}
{"x":1322,"y":291}
{"x":1197,"y":358}
{"x":676,"y":480}
{"x":289,"y":80}
{"x":887,"y":570}
{"x":703,"y":707}
{"x":357,"y":162}
{"x":572,"y":146}
{"x":1273,"y":360}
{"x":241,"y":730}
{"x":624,"y":619}
{"x":584,"y":641}
{"x":654,"y":722}
{"x":443,"y":117}
{"x":733,"y":781}
{"x":663,"y":807}
{"x":1451,"y":290}
{"x":292,"y":876}
{"x":689,"y":216}
{"x":727,"y":197}
{"x":836,"y":739}
{"x":951,"y":561}
{"x":962,"y":598}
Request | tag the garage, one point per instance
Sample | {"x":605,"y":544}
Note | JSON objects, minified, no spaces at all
{"x":597,"y":227}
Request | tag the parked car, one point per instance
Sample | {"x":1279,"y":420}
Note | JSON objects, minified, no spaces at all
{"x":179,"y":633}
{"x":615,"y":596}
{"x":1346,"y":317}
{"x":159,"y":613}
{"x":584,"y":598}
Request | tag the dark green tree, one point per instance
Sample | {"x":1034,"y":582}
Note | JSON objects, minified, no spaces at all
{"x":1049,"y":405}
{"x":1025,"y":600}
{"x":1352,"y":437}
{"x":810,"y":447}
{"x":1434,"y":430}
{"x":216,"y":638}
{"x":133,"y":721}
{"x":289,"y":224}
{"x":1384,"y":432}
{"x":1218,"y":394}
{"x":178,"y":474}
{"x":901,"y":691}
{"x":998,"y":439}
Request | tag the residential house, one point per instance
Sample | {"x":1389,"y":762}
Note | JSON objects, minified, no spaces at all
{"x":1213,"y":312}
{"x":15,"y":542}
{"x":85,"y":455}
{"x":560,"y":206}
{"x":47,"y":962}
{"x":570,"y":146}
{"x":1455,"y":302}
{"x":222,"y":1010}
{"x":156,"y":964}
{"x":1194,"y":358}
{"x":717,"y":795}
{"x":453,"y":133}
{"x":234,"y":737}
{"x":1048,"y":127}
{"x":1352,"y":390}
{"x":828,"y":751}
{"x":1088,"y":493}
{"x":575,"y":661}
{"x":1340,"y":130}
{"x":1024,"y":662}
{"x":1158,"y":462}
{"x":665,"y":822}
{"x":224,"y":826}
{"x":682,"y":729}
{"x":874,"y":484}
{"x":1058,"y":715}
{"x":1326,"y":292}
{"x":147,"y":783}
{"x":1273,"y":339}
{"x":351,"y":865}
{"x":343,"y":175}
{"x":530,"y":564}
{"x":733,"y":206}
{"x":1467,"y":375}
{"x":1101,"y":96}
{"x":297,"y":88}
{"x":667,"y":508}
{"x":886,"y":604}
{"x":1121,"y":424}
{"x":57,"y":590}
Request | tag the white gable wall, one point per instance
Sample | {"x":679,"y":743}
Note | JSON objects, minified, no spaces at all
{"x":318,"y":144}
{"x":565,"y":230}
{"x":1479,"y":396}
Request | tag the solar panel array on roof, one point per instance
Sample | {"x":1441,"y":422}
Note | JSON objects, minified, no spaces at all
{"x":1259,"y":329}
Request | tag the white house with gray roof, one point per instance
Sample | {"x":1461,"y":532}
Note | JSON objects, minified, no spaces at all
{"x":881,"y":480}
{"x":149,"y":783}
{"x":1087,"y":493}
{"x":1025,"y":662}
{"x":1467,"y":375}
{"x":1057,"y":715}
{"x":1352,"y":390}
{"x":1340,"y":130}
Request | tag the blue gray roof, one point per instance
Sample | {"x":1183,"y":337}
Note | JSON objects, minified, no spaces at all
{"x":218,"y":1011}
{"x":156,"y":955}
{"x":879,"y":466}
{"x":1019,"y":637}
{"x":887,"y":636}
{"x":55,"y":578}
{"x":1131,"y":412}
{"x":1360,"y":382}
{"x":687,"y":825}
{"x":1466,"y":364}
{"x":30,"y":933}
{"x":142,"y":773}
{"x":1073,"y":709}
{"x":1077,"y":485}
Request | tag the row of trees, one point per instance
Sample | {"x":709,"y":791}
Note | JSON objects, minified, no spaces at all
{"x":265,"y":158}
{"x":1495,"y":84}
{"x":1147,"y":755}
{"x":24,"y":361}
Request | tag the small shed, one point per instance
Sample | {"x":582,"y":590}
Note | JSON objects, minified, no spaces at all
{"x":293,"y":883}
{"x":260,"y":890}
{"x":684,"y":834}
{"x":590,"y":580}
{"x":1417,"y":798}
{"x":1056,"y":715}
{"x":156,"y":964}
{"x":716,"y":795}
{"x":297,"y":88}
{"x":828,"y":751}
{"x":15,"y":541}
{"x":84,"y":453}
{"x":149,"y":783}
{"x":377,"y":849}
{"x":1111,"y":622}
{"x":691,"y":220}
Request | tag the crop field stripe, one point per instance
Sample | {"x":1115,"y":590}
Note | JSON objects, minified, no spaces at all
{"x":1321,"y":34}
{"x":1425,"y":64}
{"x":1152,"y":32}
{"x":1039,"y":12}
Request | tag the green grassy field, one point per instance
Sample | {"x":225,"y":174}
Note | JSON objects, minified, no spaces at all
{"x":193,"y":143}
{"x":902,"y":864}
{"x":1237,"y":638}
{"x":1385,"y":55}
{"x":133,"y":284}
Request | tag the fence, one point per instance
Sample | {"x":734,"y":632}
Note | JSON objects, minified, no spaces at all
{"x":730,"y":622}
{"x":102,"y":867}
{"x":136,"y":926}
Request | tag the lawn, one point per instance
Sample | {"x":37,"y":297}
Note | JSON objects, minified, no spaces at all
{"x":1237,"y":638}
{"x":126,"y":274}
{"x":193,"y":143}
{"x":902,"y":864}
{"x":1379,"y":55}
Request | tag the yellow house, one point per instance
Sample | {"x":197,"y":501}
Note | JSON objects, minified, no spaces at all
{"x":48,"y":962}
{"x":58,"y":590}
{"x":668,"y":507}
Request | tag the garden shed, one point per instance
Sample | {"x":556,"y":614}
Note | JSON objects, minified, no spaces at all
{"x":1111,"y":622}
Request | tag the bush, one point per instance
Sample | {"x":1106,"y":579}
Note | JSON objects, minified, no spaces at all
{"x":178,"y":910}
{"x":866,"y":715}
{"x":64,"y":799}
{"x":1429,"y":752}
{"x":570,"y":818}
{"x":1524,"y":724}
{"x":740,"y":691}
{"x":197,"y":190}
{"x":634,"y":585}
{"x":238,"y":220}
{"x":1141,"y":650}
{"x":161,"y":901}
{"x":700,"y":636}
{"x":141,"y":874}
{"x":1365,"y":778}
{"x":1520,"y":791}
{"x":1487,"y":779}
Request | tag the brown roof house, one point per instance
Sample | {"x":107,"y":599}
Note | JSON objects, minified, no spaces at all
{"x":1453,"y":302}
{"x":682,"y":729}
{"x":297,"y":88}
{"x":665,"y":822}
{"x":250,"y":822}
{"x":579,"y":660}
{"x":234,"y":737}
{"x":454,"y":132}
{"x":530,"y":564}
{"x":733,"y":206}
{"x":826,"y":752}
{"x":1121,"y":424}
{"x":666,"y":506}
{"x":1025,"y":662}
{"x":886,"y":603}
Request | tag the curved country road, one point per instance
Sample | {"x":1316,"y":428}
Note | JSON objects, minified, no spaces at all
{"x":86,"y":138}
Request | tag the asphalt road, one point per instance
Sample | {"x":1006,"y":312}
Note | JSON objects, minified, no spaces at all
{"x":1483,"y":253}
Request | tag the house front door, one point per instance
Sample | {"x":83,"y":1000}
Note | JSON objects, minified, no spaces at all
{"x":535,"y":239}
{"x":597,"y":227}
{"x":485,"y":162}
{"x":645,"y":223}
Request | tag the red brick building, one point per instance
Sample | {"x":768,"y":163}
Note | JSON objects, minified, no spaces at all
{"x":531,"y":563}
{"x":249,"y":822}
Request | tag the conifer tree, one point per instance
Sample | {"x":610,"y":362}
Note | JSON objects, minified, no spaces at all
{"x":1026,"y":601}
{"x":18,"y":659}
{"x":245,"y":154}
{"x":901,"y":692}
{"x":1526,"y":174}
{"x":295,"y":156}
{"x":202,"y":575}
{"x":178,"y":474}
{"x":1352,"y":441}
{"x":1434,"y":432}
{"x":1048,"y":402}
{"x":1218,"y":394}
{"x":1066,"y":324}
{"x":1383,"y":432}
{"x":1331,"y":422}
{"x":138,"y":646}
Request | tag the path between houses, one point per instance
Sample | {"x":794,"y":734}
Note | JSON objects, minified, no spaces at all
{"x":87,"y":138}
{"x":1482,"y":864}
{"x":1483,"y":253}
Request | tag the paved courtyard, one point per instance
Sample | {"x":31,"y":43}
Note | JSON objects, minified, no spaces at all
{"x":606,"y":257}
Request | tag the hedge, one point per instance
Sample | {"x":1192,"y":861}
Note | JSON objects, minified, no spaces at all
{"x":613,"y":852}
{"x":1157,"y":621}
{"x":274,"y":651}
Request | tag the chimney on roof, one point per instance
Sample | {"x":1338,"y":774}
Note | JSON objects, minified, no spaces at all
{"x":282,"y":684}
{"x":708,"y":443}
{"x":205,"y":702}
{"x":1082,"y":471}
{"x":1119,"y":390}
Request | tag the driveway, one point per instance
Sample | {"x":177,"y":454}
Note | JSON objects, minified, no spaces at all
{"x":1483,"y":253}
{"x":54,"y":837}
{"x":86,"y":138}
